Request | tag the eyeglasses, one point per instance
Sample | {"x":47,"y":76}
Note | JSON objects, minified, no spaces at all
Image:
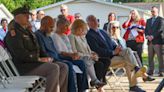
{"x":152,"y":11}
{"x":115,"y":27}
{"x":33,"y":14}
{"x":62,"y":9}
{"x":42,"y":14}
{"x":77,"y":16}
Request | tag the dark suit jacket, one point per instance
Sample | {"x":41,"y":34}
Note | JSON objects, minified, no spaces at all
{"x":155,"y":29}
{"x":105,"y":26}
{"x":99,"y":45}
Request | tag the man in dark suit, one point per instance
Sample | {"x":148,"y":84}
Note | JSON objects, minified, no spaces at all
{"x":103,"y":45}
{"x":153,"y":31}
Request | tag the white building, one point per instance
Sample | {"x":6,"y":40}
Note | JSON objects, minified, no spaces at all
{"x":99,"y":8}
{"x":4,"y":13}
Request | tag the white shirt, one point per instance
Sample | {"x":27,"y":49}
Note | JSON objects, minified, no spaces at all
{"x":3,"y":33}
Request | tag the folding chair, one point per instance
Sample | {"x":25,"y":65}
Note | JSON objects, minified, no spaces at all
{"x":12,"y":74}
{"x":113,"y":73}
{"x":5,"y":87}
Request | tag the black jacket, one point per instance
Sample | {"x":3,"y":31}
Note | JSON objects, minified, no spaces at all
{"x":24,"y":48}
{"x":155,"y":29}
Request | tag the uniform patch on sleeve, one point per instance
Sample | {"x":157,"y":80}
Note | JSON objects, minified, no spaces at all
{"x":12,"y":33}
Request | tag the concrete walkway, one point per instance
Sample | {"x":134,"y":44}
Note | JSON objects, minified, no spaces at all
{"x":147,"y":86}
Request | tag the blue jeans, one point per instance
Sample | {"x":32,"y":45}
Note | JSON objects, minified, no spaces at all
{"x":82,"y":81}
{"x":72,"y":84}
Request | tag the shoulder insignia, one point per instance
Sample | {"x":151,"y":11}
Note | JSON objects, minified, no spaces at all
{"x":12,"y":33}
{"x":25,"y":36}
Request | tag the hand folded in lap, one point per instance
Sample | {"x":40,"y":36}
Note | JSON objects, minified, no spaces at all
{"x":117,"y":50}
{"x":94,"y":56}
{"x":75,"y":56}
{"x":45,"y":59}
{"x":150,"y":38}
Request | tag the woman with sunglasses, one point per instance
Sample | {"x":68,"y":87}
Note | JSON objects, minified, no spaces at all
{"x":115,"y":35}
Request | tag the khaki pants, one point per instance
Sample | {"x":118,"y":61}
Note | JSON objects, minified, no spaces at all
{"x":56,"y":75}
{"x":127,"y":60}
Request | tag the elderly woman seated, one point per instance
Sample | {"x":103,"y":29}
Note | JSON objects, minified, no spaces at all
{"x":80,"y":45}
{"x":115,"y":35}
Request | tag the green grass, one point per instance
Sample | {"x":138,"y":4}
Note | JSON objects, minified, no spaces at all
{"x":145,"y":60}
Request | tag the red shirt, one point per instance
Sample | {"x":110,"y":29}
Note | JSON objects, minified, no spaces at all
{"x":140,"y":37}
{"x":71,"y":19}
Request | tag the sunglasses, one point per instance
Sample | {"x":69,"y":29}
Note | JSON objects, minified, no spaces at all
{"x":152,"y":11}
{"x":115,"y":27}
{"x":42,"y":14}
{"x":33,"y":14}
{"x":62,"y":9}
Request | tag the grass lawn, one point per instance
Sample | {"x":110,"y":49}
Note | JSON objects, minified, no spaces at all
{"x":145,"y":60}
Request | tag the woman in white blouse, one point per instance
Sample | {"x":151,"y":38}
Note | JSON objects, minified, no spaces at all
{"x":63,"y":46}
{"x":80,"y":45}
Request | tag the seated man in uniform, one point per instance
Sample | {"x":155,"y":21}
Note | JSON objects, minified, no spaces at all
{"x":28,"y":58}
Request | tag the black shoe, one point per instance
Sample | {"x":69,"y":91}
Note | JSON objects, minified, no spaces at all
{"x":150,"y":73}
{"x":160,"y":74}
{"x":136,"y":89}
{"x":148,"y":79}
{"x":97,"y":84}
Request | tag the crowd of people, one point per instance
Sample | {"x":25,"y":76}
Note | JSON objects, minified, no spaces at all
{"x":68,"y":51}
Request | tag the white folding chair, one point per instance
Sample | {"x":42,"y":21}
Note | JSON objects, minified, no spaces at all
{"x":12,"y":74}
{"x":6,"y":87}
{"x":113,"y":73}
{"x":12,"y":90}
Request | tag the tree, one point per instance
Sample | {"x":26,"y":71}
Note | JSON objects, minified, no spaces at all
{"x":33,"y":4}
{"x":126,"y":1}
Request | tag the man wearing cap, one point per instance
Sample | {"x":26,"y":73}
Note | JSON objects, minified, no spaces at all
{"x":28,"y":57}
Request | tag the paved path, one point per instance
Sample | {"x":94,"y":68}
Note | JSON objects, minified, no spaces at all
{"x":148,"y":86}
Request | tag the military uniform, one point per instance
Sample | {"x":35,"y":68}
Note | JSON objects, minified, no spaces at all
{"x":24,"y":48}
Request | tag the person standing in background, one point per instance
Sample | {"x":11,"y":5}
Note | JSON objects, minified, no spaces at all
{"x":153,"y":31}
{"x":111,"y":17}
{"x":3,"y":31}
{"x":70,"y":18}
{"x":134,"y":35}
{"x":33,"y":20}
{"x":78,"y":16}
{"x":36,"y":25}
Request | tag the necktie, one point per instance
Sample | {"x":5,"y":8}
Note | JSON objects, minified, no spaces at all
{"x":101,"y":35}
{"x":152,"y":21}
{"x":4,"y":29}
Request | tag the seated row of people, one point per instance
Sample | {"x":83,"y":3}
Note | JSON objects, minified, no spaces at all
{"x":53,"y":54}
